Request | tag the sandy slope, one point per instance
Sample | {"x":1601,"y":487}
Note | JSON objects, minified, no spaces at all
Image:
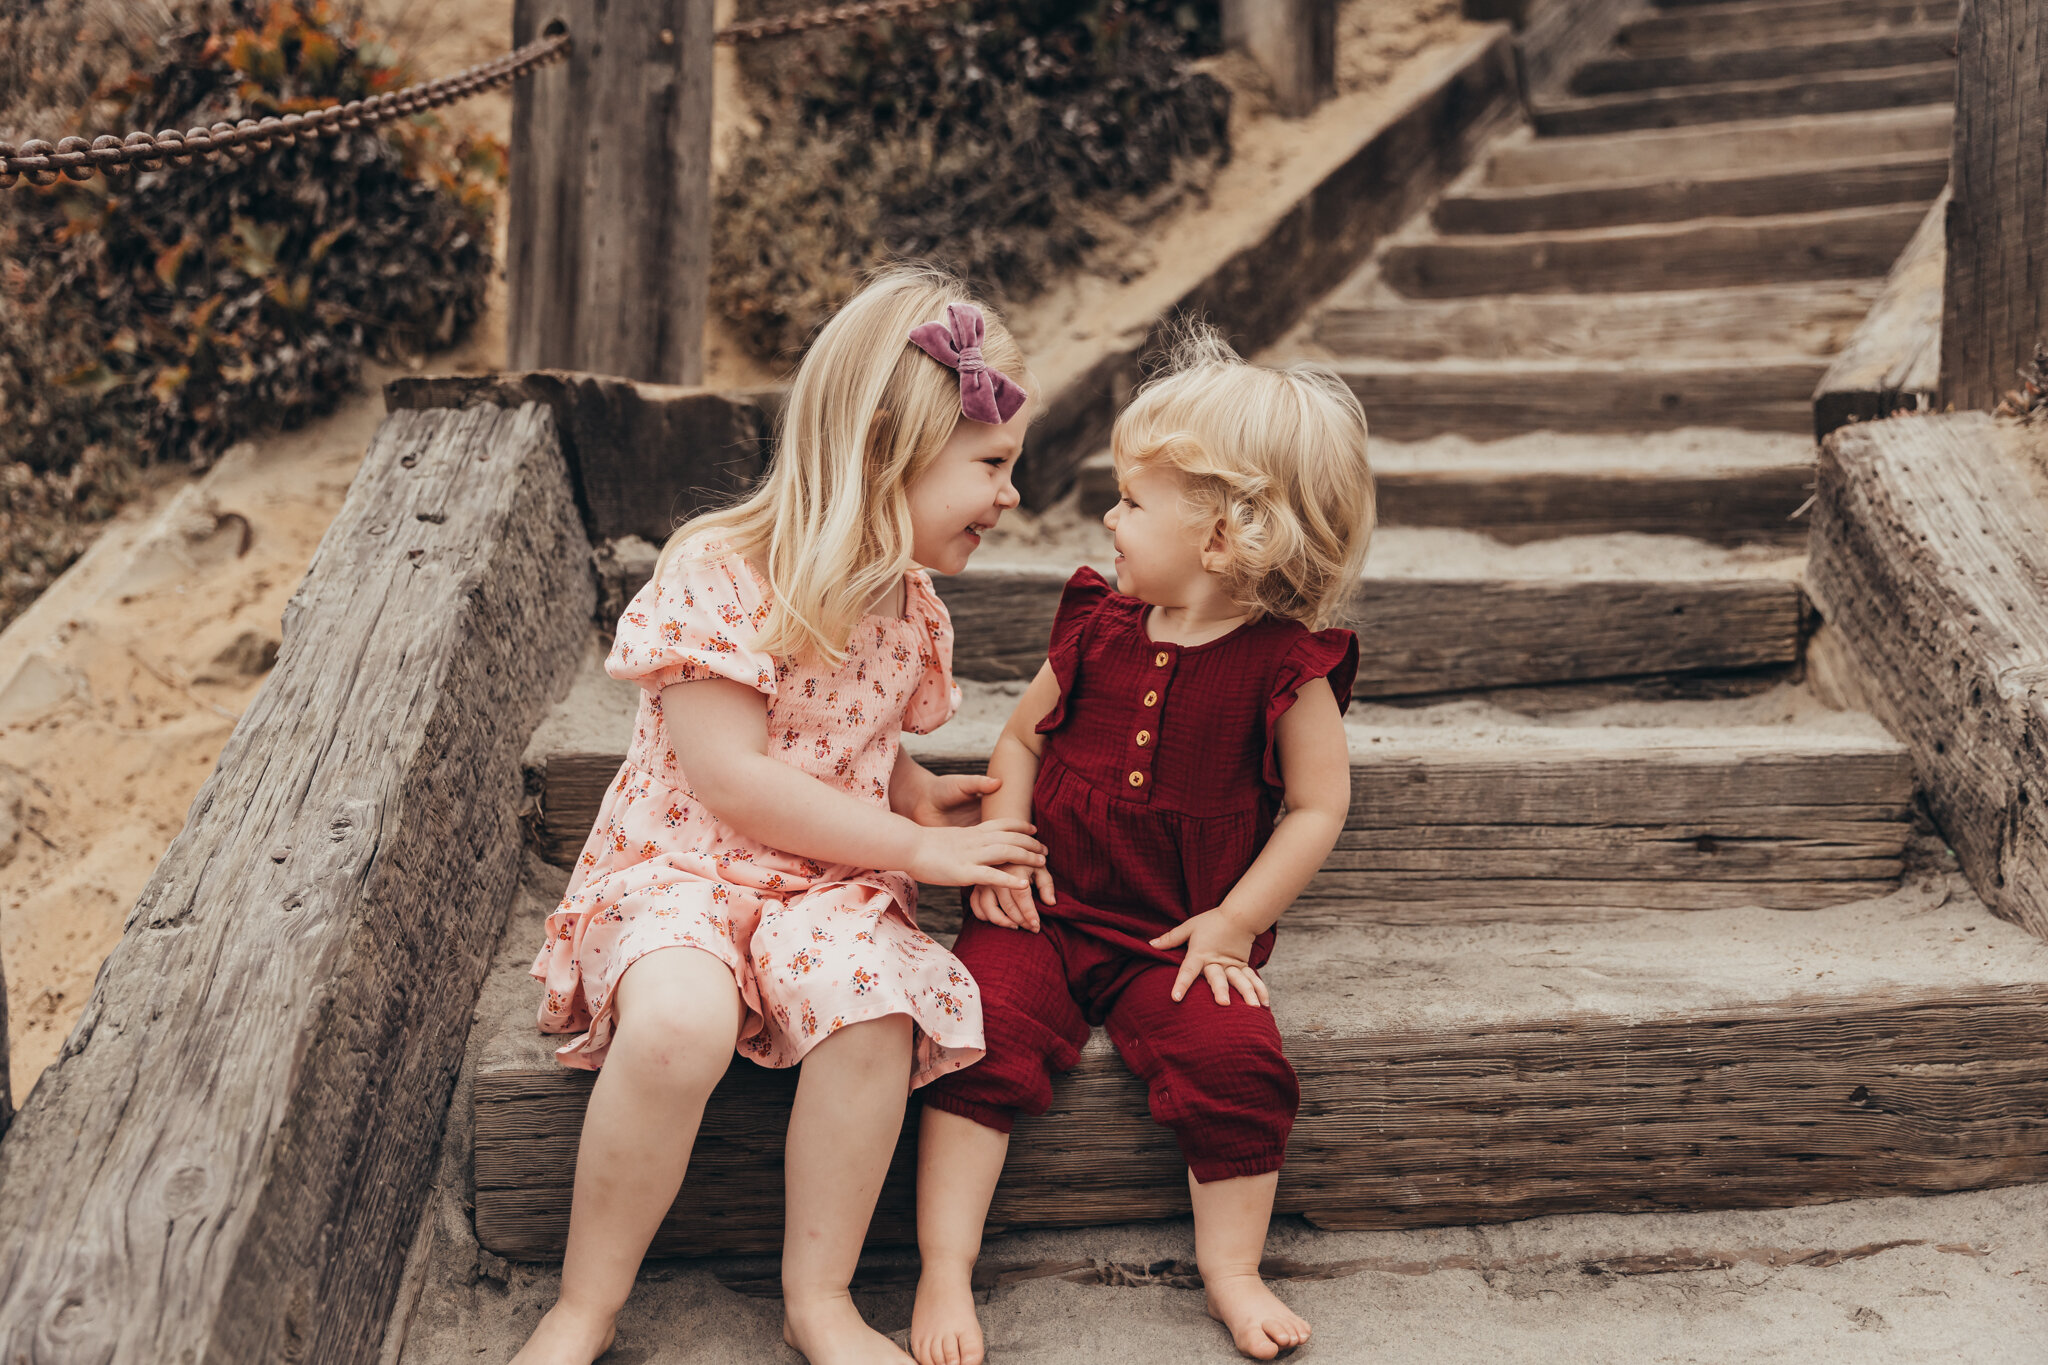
{"x":142,"y":656}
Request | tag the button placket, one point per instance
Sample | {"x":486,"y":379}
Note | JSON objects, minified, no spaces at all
{"x":1144,"y":729}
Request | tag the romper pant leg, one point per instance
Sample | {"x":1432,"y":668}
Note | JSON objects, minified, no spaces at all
{"x":1029,"y":1020}
{"x":1215,"y":1073}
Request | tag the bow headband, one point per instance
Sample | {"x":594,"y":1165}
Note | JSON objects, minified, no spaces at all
{"x":986,"y":395}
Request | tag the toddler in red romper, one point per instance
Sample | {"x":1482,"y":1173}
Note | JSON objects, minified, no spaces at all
{"x":1175,"y":713}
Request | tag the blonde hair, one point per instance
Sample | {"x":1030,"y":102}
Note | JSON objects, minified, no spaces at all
{"x":1276,"y":458}
{"x":866,"y":415}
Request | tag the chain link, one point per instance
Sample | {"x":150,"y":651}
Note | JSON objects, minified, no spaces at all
{"x":825,"y":18}
{"x":41,"y":162}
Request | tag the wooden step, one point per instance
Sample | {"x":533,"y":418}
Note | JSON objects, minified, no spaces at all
{"x":1372,"y":322}
{"x":1450,"y":1073}
{"x":1892,"y":361}
{"x":1908,"y":177}
{"x":1720,"y":148}
{"x":1485,"y":399}
{"x":1832,"y":92}
{"x":1726,"y":487}
{"x":1752,"y":22}
{"x":1723,"y":63}
{"x":1702,"y":253}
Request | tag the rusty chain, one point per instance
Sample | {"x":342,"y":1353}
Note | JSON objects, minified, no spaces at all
{"x":74,"y":157}
{"x":41,"y":162}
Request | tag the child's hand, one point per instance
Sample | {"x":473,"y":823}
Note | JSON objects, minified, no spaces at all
{"x":954,"y":799}
{"x":992,"y":853}
{"x":1010,"y":908}
{"x":1219,"y":950}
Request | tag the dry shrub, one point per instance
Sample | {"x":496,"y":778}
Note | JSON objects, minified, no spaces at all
{"x":989,"y":140}
{"x":163,"y":315}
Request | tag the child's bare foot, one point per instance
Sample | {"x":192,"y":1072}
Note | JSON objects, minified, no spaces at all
{"x":566,"y":1337}
{"x":1259,"y":1323}
{"x":944,"y":1329}
{"x":831,"y":1331}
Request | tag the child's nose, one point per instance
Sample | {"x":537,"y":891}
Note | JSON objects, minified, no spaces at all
{"x":1007,"y":495}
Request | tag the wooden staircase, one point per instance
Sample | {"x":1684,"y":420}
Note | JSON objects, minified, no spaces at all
{"x":1550,"y":967}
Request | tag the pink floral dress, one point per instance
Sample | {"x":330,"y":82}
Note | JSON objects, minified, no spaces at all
{"x":813,"y":947}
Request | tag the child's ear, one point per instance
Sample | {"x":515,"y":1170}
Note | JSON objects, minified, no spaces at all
{"x":1216,"y":554}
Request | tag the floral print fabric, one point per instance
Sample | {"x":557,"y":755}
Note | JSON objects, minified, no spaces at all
{"x":813,"y":947}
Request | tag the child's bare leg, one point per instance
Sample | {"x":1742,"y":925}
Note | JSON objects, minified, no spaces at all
{"x":1230,"y":1238}
{"x":958,"y":1164}
{"x":842,"y":1132}
{"x":678,"y":1015}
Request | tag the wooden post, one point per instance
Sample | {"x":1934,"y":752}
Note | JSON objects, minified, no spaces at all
{"x":1295,"y":41}
{"x":611,"y":191}
{"x":1995,"y":298}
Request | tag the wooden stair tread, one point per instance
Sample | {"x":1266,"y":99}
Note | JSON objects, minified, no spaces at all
{"x":1915,"y":176}
{"x":1828,"y":93}
{"x":1368,"y":320}
{"x":1893,"y":358}
{"x":1450,"y":1073}
{"x":1749,"y":20}
{"x":1726,"y":59}
{"x":1719,"y":148}
{"x":1833,"y":244}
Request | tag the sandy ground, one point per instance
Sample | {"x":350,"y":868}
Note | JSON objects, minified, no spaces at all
{"x":120,"y":686}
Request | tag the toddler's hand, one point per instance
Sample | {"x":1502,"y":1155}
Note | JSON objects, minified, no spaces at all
{"x":953,"y":799}
{"x":977,"y":855}
{"x":1219,"y":951}
{"x":1010,"y":908}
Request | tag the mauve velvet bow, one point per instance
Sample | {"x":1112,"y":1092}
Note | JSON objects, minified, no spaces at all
{"x":986,"y":395}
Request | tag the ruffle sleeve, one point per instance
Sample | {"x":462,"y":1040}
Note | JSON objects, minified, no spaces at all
{"x":935,"y":697}
{"x":1331,"y":654}
{"x":1086,"y":591}
{"x":692,"y":623}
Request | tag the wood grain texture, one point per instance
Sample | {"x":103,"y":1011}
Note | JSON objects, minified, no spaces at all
{"x":1724,"y":61}
{"x":1910,"y":177}
{"x":1753,"y":22}
{"x":1294,"y":43}
{"x":6,"y":1084}
{"x":1837,"y":92}
{"x":1792,"y":320}
{"x":645,"y":457}
{"x":228,"y":1158}
{"x":1840,"y":244}
{"x":1554,"y":36}
{"x":610,"y":229}
{"x":1995,"y":302}
{"x":1787,"y":1102}
{"x":1792,"y":822}
{"x":1449,"y":635}
{"x":1893,"y":359}
{"x":1270,"y":281}
{"x":1719,"y":150}
{"x":1408,"y":401}
{"x":1930,"y":562}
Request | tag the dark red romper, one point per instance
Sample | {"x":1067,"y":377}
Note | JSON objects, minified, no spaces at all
{"x":1158,"y":788}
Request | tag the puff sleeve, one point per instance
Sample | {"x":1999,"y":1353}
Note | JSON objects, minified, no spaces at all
{"x":1331,"y":654}
{"x":1086,"y":591}
{"x":692,"y":623}
{"x":934,"y":697}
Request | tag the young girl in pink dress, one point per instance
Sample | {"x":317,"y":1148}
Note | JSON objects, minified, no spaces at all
{"x":751,"y":879}
{"x":1174,"y":714}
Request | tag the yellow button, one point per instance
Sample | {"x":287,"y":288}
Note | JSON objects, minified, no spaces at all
{"x":1159,"y":659}
{"x":1151,"y":699}
{"x":1137,"y":779}
{"x":1144,"y":738}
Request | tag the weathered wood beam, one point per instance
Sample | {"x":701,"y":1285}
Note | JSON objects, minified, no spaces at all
{"x":610,"y":233}
{"x":227,"y":1160}
{"x":1840,"y":51}
{"x":1724,"y":25}
{"x":645,"y":457}
{"x":1552,"y":37}
{"x":1294,"y":42}
{"x":1995,"y":300}
{"x":1834,"y":92}
{"x":1929,"y":561}
{"x":1893,"y":359}
{"x":6,"y":1084}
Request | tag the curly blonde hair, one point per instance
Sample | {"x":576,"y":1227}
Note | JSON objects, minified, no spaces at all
{"x":1272,"y":460}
